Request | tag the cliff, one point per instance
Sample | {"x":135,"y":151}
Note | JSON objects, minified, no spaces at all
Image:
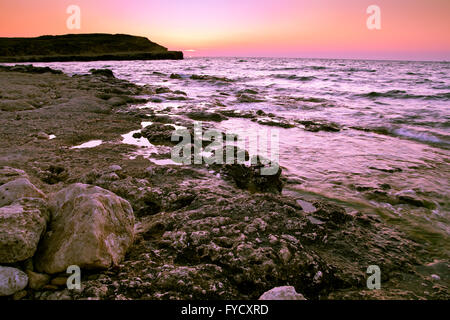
{"x":83,"y":47}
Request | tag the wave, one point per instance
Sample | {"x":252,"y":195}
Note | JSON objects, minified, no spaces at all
{"x":400,"y":94}
{"x":358,"y":70}
{"x":316,"y":67}
{"x":293,"y":77}
{"x":420,"y":136}
{"x":284,"y":69}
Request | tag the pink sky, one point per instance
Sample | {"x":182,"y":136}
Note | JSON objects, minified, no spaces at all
{"x":411,"y":29}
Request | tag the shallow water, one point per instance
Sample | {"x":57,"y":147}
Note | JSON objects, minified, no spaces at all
{"x":89,"y":144}
{"x":395,"y":117}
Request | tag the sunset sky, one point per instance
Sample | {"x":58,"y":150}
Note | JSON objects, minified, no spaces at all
{"x":410,"y":29}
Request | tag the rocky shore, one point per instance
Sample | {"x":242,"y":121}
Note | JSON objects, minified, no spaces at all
{"x":141,"y":230}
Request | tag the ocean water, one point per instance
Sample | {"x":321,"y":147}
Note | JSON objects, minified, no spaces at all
{"x":395,"y":119}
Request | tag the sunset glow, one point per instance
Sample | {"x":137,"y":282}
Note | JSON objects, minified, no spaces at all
{"x":411,"y":29}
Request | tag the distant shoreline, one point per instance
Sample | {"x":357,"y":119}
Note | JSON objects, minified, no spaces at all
{"x":83,"y":47}
{"x":169,"y":55}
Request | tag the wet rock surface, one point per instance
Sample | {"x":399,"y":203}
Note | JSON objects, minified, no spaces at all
{"x":252,"y":177}
{"x":159,"y":133}
{"x":102,"y":72}
{"x":316,"y":126}
{"x":206,"y":116}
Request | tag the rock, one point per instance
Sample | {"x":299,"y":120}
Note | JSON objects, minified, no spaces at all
{"x":111,"y":176}
{"x":59,"y":295}
{"x":116,"y":101}
{"x":21,"y":225}
{"x":43,"y":136}
{"x":385,"y":186}
{"x":414,"y":201}
{"x":54,"y":174}
{"x":12,"y":280}
{"x":206,"y":116}
{"x":331,"y":213}
{"x":175,"y":76}
{"x":159,"y":133}
{"x":90,"y":227}
{"x":282,"y":293}
{"x":247,"y":98}
{"x":59,"y":281}
{"x":17,"y":189}
{"x":102,"y":72}
{"x":162,"y":90}
{"x":250,"y":178}
{"x":209,"y":78}
{"x":37,"y":281}
{"x":8,"y":174}
{"x":249,"y":91}
{"x":274,"y":123}
{"x":175,"y":98}
{"x":114,"y":168}
{"x":15,"y":105}
{"x":20,"y":295}
{"x":316,"y":126}
{"x":234,"y":114}
{"x":23,"y":216}
{"x":30,"y":69}
{"x":180,"y":92}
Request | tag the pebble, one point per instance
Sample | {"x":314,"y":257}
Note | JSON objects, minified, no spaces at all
{"x":435,"y":277}
{"x":12,"y":280}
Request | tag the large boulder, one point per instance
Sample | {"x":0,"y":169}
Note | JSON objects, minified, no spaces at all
{"x":21,"y":225}
{"x":12,"y":280}
{"x":23,"y":216}
{"x":17,"y":189}
{"x":90,"y":227}
{"x":282,"y":293}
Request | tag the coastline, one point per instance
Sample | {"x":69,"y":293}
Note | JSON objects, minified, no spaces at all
{"x":197,"y":235}
{"x":83,"y":47}
{"x":168,"y":55}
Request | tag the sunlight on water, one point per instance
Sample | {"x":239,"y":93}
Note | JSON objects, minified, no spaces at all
{"x":89,"y":144}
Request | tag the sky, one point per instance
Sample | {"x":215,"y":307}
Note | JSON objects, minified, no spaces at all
{"x":410,"y":29}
